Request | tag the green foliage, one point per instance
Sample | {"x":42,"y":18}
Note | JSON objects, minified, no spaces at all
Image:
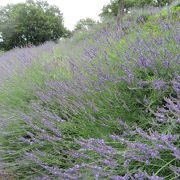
{"x":33,"y":22}
{"x":112,"y":8}
{"x":162,"y":2}
{"x":1,"y":52}
{"x":84,"y":24}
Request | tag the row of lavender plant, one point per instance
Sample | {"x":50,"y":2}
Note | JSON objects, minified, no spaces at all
{"x":118,"y":76}
{"x":18,"y":60}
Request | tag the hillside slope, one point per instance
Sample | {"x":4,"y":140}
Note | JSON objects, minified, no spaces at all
{"x":105,"y":107}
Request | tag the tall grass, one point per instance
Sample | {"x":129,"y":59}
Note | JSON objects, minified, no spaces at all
{"x":106,"y":107}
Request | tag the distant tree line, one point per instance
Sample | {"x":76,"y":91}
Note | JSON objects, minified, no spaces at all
{"x":35,"y":21}
{"x":112,"y":8}
{"x":84,"y":24}
{"x":30,"y":23}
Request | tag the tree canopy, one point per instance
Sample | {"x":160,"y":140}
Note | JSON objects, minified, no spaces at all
{"x":111,"y":9}
{"x":84,"y":24}
{"x":33,"y":22}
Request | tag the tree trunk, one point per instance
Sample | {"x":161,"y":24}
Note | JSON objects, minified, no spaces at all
{"x":120,"y":13}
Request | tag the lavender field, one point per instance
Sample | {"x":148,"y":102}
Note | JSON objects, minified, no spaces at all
{"x":103,"y":104}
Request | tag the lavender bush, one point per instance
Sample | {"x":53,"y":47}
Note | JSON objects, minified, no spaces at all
{"x":152,"y":153}
{"x":107,"y":108}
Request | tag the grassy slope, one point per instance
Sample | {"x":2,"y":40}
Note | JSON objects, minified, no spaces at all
{"x":18,"y":93}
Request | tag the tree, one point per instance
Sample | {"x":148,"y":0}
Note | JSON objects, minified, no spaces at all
{"x":162,"y":2}
{"x":120,"y":12}
{"x":84,"y":24}
{"x":33,"y":22}
{"x":111,"y":9}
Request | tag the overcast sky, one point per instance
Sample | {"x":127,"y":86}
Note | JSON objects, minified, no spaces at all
{"x":73,"y":10}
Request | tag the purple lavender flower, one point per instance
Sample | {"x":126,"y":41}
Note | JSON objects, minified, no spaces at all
{"x":109,"y":162}
{"x":155,"y":178}
{"x":144,"y":61}
{"x":126,"y":177}
{"x":166,"y":63}
{"x":159,"y":84}
{"x":122,"y":123}
{"x":126,"y":163}
{"x":168,"y":137}
{"x":99,"y":146}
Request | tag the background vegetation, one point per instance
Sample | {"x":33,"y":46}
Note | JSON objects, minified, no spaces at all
{"x":112,"y":8}
{"x":30,"y":23}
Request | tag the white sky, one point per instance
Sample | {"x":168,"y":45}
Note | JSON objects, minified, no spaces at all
{"x":73,"y":10}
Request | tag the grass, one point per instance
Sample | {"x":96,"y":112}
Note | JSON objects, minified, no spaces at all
{"x":1,"y":52}
{"x":70,"y":84}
